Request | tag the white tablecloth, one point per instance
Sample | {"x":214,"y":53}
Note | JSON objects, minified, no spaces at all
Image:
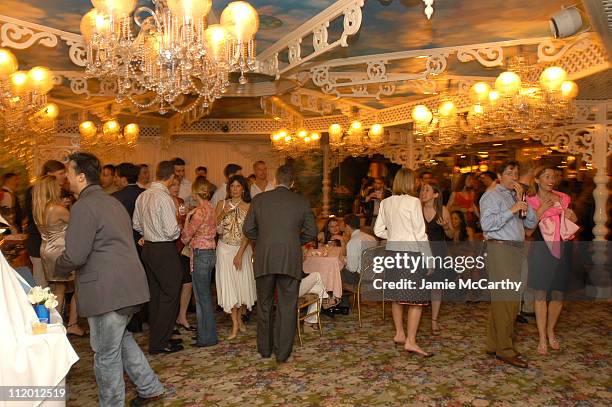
{"x":328,"y":267}
{"x":26,"y":359}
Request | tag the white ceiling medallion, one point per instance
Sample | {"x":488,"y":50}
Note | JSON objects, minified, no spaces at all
{"x":429,"y":9}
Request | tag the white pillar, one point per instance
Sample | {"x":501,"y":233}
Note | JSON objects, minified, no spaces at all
{"x":599,"y":275}
{"x":601,"y":179}
{"x":326,"y":180}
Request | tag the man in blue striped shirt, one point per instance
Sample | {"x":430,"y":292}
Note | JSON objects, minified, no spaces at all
{"x":504,"y":231}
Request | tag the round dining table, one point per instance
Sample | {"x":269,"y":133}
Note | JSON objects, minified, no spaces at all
{"x":328,"y":262}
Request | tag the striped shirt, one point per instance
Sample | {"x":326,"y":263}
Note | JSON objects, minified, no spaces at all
{"x":155,"y":215}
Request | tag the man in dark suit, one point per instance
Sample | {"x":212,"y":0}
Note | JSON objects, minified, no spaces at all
{"x":110,"y":281}
{"x":126,"y":178}
{"x":280,"y":221}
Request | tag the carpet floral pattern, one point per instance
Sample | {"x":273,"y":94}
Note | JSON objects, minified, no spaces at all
{"x":352,"y":366}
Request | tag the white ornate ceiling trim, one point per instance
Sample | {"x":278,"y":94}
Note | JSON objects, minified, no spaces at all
{"x":581,"y":56}
{"x":394,"y":116}
{"x":79,"y":84}
{"x":349,"y":10}
{"x":318,"y":102}
{"x":21,"y":34}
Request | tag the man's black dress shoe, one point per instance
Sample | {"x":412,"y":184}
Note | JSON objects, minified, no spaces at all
{"x":175,"y":341}
{"x":168,"y":349}
{"x":521,"y":319}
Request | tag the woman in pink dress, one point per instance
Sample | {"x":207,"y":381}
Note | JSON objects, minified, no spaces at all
{"x":548,"y":263}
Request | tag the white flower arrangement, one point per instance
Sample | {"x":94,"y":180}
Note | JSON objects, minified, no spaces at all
{"x":42,"y":296}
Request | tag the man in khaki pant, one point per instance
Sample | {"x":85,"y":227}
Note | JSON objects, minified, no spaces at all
{"x":504,"y":229}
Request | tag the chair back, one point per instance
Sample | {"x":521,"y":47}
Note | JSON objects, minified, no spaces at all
{"x":367,"y":277}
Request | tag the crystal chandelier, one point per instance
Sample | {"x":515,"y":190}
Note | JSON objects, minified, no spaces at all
{"x":438,"y":128}
{"x":356,"y":141}
{"x":174,"y":54}
{"x":522,"y":101}
{"x":26,"y":119}
{"x":111,"y":136}
{"x":23,"y":98}
{"x":295,"y":143}
{"x":518,"y":103}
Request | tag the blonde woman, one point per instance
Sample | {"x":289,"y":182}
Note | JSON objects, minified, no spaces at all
{"x":400,"y":221}
{"x":199,"y":233}
{"x":51,"y":218}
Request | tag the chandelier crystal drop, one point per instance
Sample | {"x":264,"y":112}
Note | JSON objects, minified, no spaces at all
{"x":169,"y":49}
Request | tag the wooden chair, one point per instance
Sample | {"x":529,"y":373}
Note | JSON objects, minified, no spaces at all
{"x":304,"y":302}
{"x":367,"y":266}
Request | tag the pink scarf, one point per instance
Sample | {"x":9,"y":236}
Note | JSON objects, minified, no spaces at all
{"x":554,"y":226}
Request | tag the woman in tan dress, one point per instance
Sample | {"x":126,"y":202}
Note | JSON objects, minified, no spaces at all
{"x":51,"y":218}
{"x":234,"y":277}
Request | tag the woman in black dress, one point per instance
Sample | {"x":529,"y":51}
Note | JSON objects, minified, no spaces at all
{"x":549,"y":264}
{"x":438,"y":229}
{"x":400,"y":222}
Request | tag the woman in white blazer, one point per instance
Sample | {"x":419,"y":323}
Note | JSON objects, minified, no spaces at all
{"x":400,"y":221}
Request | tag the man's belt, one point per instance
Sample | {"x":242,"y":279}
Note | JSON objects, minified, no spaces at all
{"x":506,"y":242}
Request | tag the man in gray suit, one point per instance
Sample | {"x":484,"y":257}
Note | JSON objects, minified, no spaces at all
{"x":280,"y":221}
{"x":110,"y":282}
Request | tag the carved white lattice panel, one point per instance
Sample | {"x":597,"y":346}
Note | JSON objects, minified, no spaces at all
{"x":317,"y":27}
{"x":373,"y":75}
{"x":67,"y":127}
{"x":150,"y":131}
{"x":20,"y":34}
{"x":573,"y":139}
{"x":231,"y":126}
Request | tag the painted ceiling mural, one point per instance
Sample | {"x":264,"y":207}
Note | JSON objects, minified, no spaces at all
{"x":388,"y":26}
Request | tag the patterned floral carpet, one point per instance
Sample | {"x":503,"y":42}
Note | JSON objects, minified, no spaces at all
{"x":350,"y":366}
